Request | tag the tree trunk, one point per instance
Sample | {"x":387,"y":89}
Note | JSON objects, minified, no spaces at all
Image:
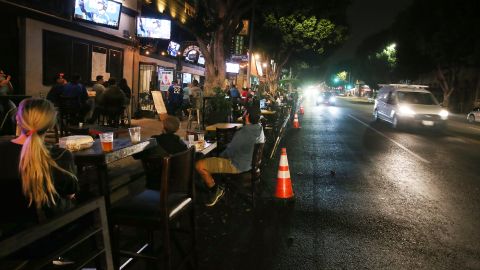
{"x":215,"y":66}
{"x":447,"y":85}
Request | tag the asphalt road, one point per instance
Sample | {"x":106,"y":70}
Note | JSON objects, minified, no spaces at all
{"x":370,"y":197}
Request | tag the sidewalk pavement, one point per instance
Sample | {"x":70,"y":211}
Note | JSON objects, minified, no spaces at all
{"x":231,"y":230}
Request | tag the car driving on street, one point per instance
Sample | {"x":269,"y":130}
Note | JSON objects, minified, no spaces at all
{"x":474,"y":115}
{"x":409,"y":105}
{"x":326,"y":98}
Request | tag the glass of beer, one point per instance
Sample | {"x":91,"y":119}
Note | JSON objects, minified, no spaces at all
{"x":107,"y":141}
{"x":135,"y":134}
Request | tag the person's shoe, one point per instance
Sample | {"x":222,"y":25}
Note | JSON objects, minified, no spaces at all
{"x":61,"y":261}
{"x":215,"y":196}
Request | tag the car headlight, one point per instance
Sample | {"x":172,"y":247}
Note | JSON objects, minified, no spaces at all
{"x":443,"y":114}
{"x":407,"y":111}
{"x":320,"y":99}
{"x":331,"y":99}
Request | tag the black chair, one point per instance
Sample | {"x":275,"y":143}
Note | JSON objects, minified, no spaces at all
{"x":88,"y":230}
{"x":224,"y":137}
{"x":69,"y":113}
{"x":235,"y":182}
{"x":154,"y":210}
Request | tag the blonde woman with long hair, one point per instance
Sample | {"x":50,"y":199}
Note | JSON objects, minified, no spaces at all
{"x":32,"y":175}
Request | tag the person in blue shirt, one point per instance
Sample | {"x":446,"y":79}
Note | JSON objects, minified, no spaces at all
{"x":236,"y":158}
{"x":234,"y":93}
{"x":175,"y":98}
{"x":57,"y":89}
{"x":78,"y":94}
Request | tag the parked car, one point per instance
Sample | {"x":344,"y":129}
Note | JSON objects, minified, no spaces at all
{"x":408,"y":105}
{"x":326,"y":98}
{"x":474,"y":115}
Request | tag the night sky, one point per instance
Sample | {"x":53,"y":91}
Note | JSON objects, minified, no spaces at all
{"x":367,"y":17}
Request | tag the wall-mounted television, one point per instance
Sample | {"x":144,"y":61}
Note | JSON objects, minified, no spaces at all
{"x":201,"y":60}
{"x":233,"y":67}
{"x":153,"y":28}
{"x":187,"y":78}
{"x":101,"y":12}
{"x":173,"y":48}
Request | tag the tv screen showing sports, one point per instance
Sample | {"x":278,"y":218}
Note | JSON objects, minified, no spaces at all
{"x":233,"y":67}
{"x":187,"y":78}
{"x":201,"y":60}
{"x":101,"y":12}
{"x":153,"y":28}
{"x":173,"y":48}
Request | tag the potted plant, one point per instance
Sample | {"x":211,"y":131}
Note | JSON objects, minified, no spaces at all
{"x":218,"y":108}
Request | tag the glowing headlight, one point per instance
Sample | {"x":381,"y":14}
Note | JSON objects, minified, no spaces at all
{"x":331,"y":99}
{"x":443,"y":114}
{"x":320,"y":99}
{"x":405,"y":110}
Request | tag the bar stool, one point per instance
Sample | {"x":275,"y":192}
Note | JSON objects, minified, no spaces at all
{"x":191,"y":119}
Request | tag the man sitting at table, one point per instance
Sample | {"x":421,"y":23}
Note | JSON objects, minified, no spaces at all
{"x":237,"y":158}
{"x":168,"y":143}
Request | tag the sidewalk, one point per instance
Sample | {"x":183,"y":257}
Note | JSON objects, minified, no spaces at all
{"x":230,"y":232}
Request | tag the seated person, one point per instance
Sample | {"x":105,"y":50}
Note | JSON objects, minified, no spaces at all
{"x":168,"y":143}
{"x":7,"y":116}
{"x":57,"y":89}
{"x":236,"y":158}
{"x":111,"y":103}
{"x":34,"y":177}
{"x":76,"y":96}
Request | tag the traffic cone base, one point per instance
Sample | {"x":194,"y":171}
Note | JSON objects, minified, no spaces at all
{"x":284,"y":188}
{"x":296,"y":124}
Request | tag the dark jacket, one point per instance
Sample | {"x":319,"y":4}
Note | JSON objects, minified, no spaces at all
{"x":14,"y":205}
{"x":167,"y":144}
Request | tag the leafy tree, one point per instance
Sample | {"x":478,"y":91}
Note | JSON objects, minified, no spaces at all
{"x":437,"y":36}
{"x":291,"y":28}
{"x":213,"y":26}
{"x":376,"y":60}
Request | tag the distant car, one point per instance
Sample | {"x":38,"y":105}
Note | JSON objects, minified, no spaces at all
{"x":474,"y":115}
{"x":326,"y":98}
{"x":408,"y":105}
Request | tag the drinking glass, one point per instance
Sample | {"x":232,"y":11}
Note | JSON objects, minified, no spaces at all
{"x":201,"y":137}
{"x":135,"y":134}
{"x":106,"y":140}
{"x":191,"y":139}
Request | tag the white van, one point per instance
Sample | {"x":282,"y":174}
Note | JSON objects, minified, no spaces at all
{"x":408,"y":105}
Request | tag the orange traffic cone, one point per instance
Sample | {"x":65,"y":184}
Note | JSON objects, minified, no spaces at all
{"x":296,"y":124}
{"x":284,"y":183}
{"x":302,"y":111}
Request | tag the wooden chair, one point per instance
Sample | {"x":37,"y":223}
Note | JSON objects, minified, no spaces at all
{"x":224,"y":137}
{"x":234,"y":181}
{"x":96,"y":230}
{"x":154,"y":210}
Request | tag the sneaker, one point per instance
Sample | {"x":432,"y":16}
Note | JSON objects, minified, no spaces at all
{"x":61,"y":261}
{"x":215,"y":196}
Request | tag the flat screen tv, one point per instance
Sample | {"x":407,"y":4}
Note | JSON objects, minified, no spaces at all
{"x":201,"y":60}
{"x":187,"y":78}
{"x":101,"y":12}
{"x":173,"y":48}
{"x":153,"y":28}
{"x":233,"y":67}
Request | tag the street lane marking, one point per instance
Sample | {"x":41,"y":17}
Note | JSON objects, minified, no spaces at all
{"x":390,"y":139}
